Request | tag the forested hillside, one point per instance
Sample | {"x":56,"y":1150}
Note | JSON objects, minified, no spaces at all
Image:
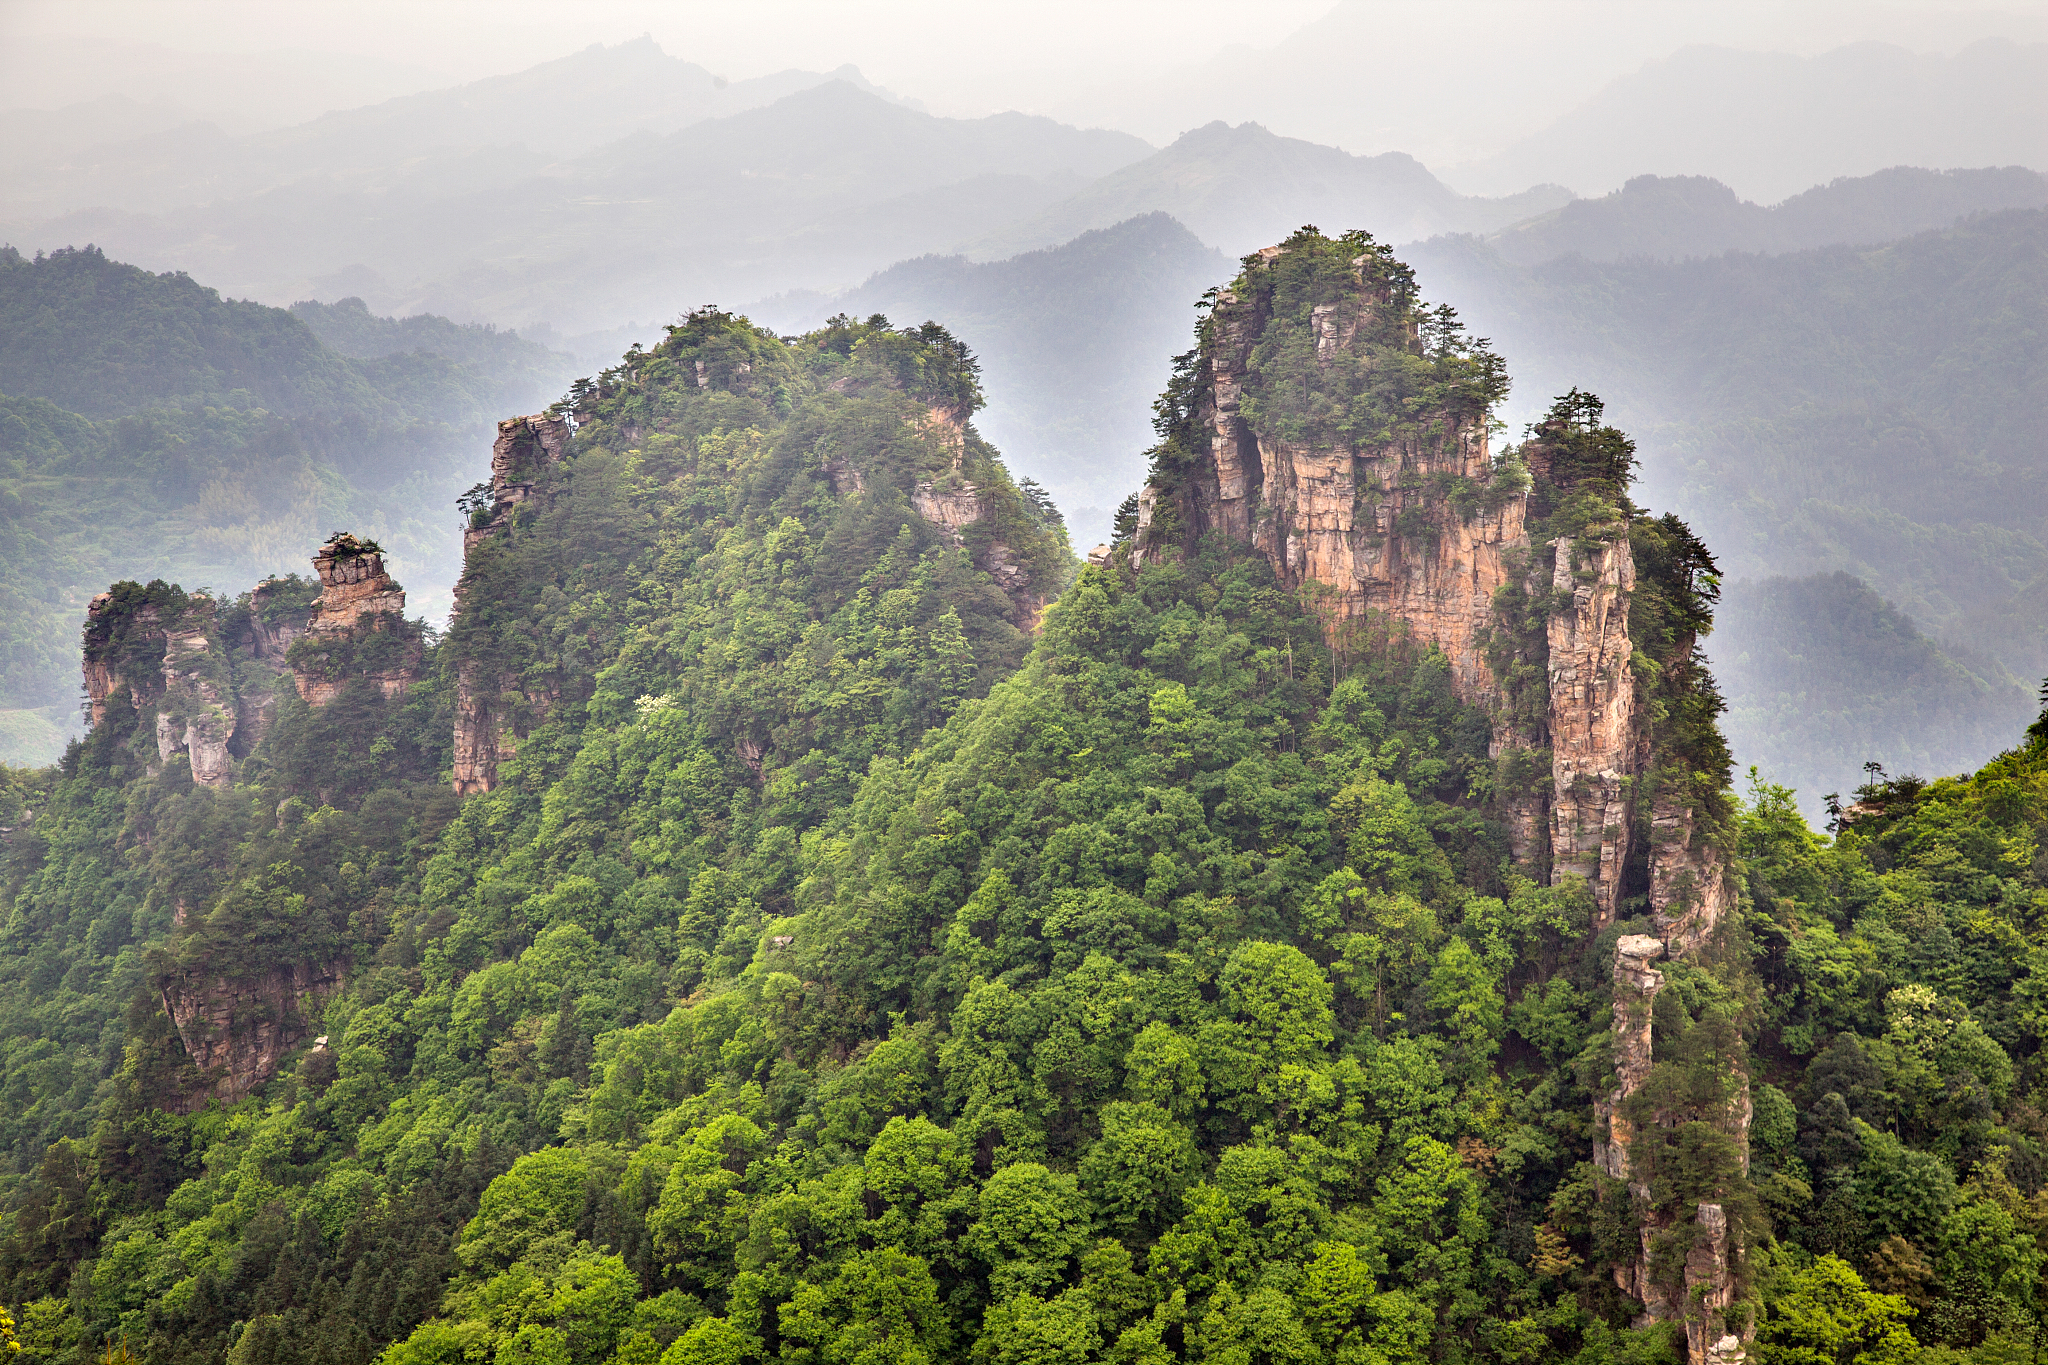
{"x":1072,"y":338}
{"x":870,"y":939}
{"x":153,"y":428}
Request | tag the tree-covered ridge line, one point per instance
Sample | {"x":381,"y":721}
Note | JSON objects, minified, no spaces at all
{"x":220,"y":439}
{"x":1151,"y":990}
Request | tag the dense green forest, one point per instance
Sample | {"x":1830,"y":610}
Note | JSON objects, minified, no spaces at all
{"x":149,"y":427}
{"x":856,"y":963}
{"x":1074,"y":339}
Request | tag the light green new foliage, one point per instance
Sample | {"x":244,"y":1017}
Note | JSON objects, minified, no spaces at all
{"x":1823,"y":1315}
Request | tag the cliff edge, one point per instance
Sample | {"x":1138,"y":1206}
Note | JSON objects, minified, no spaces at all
{"x":1342,"y":430}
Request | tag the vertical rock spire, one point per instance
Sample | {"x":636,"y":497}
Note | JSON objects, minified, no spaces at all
{"x":1382,"y":501}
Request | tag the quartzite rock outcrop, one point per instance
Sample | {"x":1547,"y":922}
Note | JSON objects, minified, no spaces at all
{"x":1513,"y":567}
{"x":196,"y":716}
{"x":1424,"y":531}
{"x":237,"y":1032}
{"x":157,"y":647}
{"x":357,"y":627}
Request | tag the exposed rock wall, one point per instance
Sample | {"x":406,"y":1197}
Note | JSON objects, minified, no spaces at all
{"x":952,"y":504}
{"x":1593,"y":734}
{"x":358,"y":600}
{"x":197,"y":713}
{"x":1429,"y":537}
{"x":483,"y":738}
{"x":1636,"y":983}
{"x":523,"y":450}
{"x":1362,"y":523}
{"x":105,"y":625}
{"x":1368,"y":532}
{"x":1690,"y":888}
{"x":274,"y":624}
{"x":237,"y":1033}
{"x":165,"y":653}
{"x":1710,"y":1281}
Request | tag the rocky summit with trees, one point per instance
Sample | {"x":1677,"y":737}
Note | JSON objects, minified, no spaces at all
{"x":797,"y":912}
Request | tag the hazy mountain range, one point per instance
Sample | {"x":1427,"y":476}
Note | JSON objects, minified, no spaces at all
{"x":1796,"y":401}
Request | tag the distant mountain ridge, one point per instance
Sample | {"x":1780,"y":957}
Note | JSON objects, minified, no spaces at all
{"x":816,"y":190}
{"x":558,"y":109}
{"x":1673,"y":217}
{"x":1239,"y":187}
{"x":1770,"y":124}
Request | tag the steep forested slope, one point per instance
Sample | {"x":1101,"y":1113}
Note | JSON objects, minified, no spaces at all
{"x":1073,"y":340}
{"x":827,"y":968}
{"x":219,"y":440}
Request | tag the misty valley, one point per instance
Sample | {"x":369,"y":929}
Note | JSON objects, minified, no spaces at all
{"x":1218,"y":752}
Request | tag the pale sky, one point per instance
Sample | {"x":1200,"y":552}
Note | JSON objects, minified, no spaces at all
{"x":255,"y":62}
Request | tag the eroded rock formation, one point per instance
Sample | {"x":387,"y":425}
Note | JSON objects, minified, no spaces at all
{"x":196,"y":715}
{"x":279,"y":610}
{"x":1636,"y":983}
{"x":357,"y":628}
{"x":155,"y":647}
{"x":523,"y":450}
{"x":1593,"y":735}
{"x":1522,"y":570}
{"x":123,"y":648}
{"x":953,"y":504}
{"x":1427,"y":534}
{"x":236,"y":1033}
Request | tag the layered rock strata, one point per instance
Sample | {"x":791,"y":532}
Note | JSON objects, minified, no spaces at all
{"x":236,"y":1033}
{"x":525,"y":447}
{"x":1431,"y":538}
{"x":357,"y":626}
{"x":1372,"y":533}
{"x":1593,"y":734}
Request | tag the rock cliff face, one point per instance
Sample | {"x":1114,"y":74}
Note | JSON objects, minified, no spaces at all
{"x":1427,"y":531}
{"x":1636,"y":984}
{"x":953,"y":505}
{"x":157,"y":647}
{"x":524,"y":448}
{"x":1592,"y":720}
{"x":279,"y":610}
{"x":1362,"y":523}
{"x":1288,"y":434}
{"x":196,"y":715}
{"x":123,"y":649}
{"x":236,"y":1034}
{"x":357,"y":627}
